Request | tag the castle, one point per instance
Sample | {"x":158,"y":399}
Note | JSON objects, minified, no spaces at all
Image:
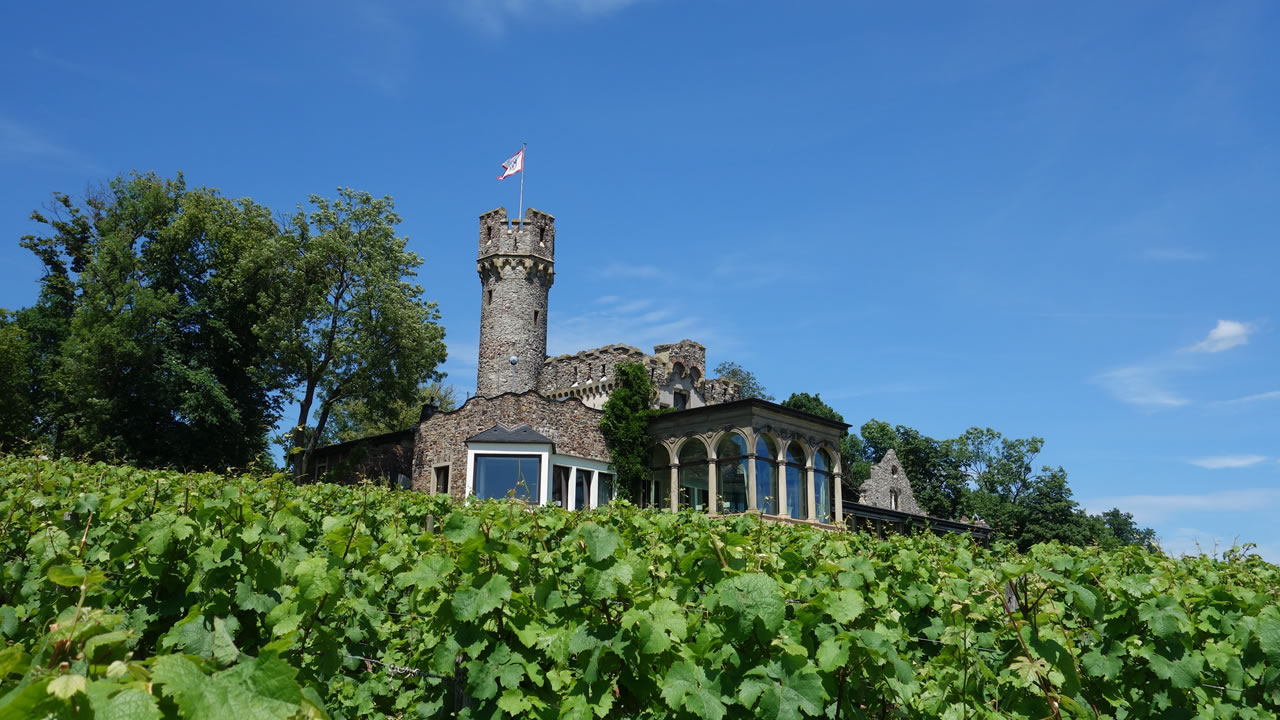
{"x":532,"y":430}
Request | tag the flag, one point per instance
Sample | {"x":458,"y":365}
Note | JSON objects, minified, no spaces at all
{"x":513,"y":165}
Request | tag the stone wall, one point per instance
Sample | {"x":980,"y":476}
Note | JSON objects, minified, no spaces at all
{"x":589,"y":375}
{"x":516,"y":268}
{"x":886,"y":477}
{"x":441,"y":439}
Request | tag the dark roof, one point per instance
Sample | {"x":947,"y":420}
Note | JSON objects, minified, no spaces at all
{"x":520,"y":434}
{"x":752,"y":402}
{"x":393,"y":437}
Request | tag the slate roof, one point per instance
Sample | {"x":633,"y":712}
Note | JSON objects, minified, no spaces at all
{"x":519,"y":434}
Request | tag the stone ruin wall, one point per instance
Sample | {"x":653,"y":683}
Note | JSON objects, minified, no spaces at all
{"x":886,"y":476}
{"x":589,"y":375}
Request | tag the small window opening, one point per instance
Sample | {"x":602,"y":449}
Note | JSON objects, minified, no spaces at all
{"x":893,"y":470}
{"x":542,"y":236}
{"x":442,"y":479}
{"x":488,"y":234}
{"x":893,"y":499}
{"x":535,"y":316}
{"x":490,"y":297}
{"x":681,"y":400}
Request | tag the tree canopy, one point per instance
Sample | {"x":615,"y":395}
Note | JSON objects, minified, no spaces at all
{"x":625,"y":425}
{"x":749,"y":386}
{"x":173,"y":323}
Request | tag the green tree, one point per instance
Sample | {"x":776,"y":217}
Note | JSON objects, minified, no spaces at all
{"x":144,"y":336}
{"x":1123,"y":530}
{"x":935,"y":467}
{"x":749,"y":386}
{"x":1021,"y":504}
{"x":625,"y":425}
{"x":17,"y":416}
{"x":353,"y":419}
{"x":353,"y":327}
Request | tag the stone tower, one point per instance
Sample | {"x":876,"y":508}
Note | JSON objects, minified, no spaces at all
{"x":516,"y":270}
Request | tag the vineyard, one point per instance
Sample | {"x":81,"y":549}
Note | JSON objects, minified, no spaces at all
{"x":149,"y":594}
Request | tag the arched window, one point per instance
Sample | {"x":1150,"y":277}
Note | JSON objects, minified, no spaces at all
{"x":822,"y":486}
{"x":731,"y":473}
{"x":693,"y":475}
{"x":797,"y":500}
{"x":658,"y":494}
{"x":766,"y":475}
{"x":893,"y":497}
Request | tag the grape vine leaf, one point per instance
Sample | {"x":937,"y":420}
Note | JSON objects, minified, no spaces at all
{"x":471,"y":603}
{"x":782,"y":693}
{"x":687,"y":686}
{"x":750,"y":597}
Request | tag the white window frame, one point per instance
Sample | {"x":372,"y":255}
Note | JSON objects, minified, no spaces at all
{"x":542,"y":450}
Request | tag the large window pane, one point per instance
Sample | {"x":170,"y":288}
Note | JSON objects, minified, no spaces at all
{"x":560,"y":485}
{"x":693,"y":476}
{"x":500,"y":476}
{"x":766,"y":476}
{"x":822,"y":487}
{"x":797,"y":498}
{"x":605,"y":492}
{"x":732,"y":484}
{"x":580,"y":488}
{"x":659,"y":494}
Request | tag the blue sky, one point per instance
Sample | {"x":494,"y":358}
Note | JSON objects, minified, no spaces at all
{"x":1053,"y":221}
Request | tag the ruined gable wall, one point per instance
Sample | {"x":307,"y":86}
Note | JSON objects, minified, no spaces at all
{"x":886,"y":476}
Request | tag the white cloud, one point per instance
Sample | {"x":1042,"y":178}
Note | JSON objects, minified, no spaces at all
{"x":1139,"y":385}
{"x":18,"y":139}
{"x":494,"y":15}
{"x":1272,"y":395}
{"x":1219,"y":462}
{"x":630,"y":322}
{"x":1152,"y":509}
{"x":1173,"y":255}
{"x":1224,"y":336}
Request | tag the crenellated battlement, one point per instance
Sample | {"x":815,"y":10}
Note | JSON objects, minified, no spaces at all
{"x":500,"y":235}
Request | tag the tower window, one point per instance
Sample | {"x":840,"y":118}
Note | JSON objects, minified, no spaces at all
{"x":488,"y":234}
{"x":490,"y":297}
{"x":535,"y":316}
{"x":542,"y":236}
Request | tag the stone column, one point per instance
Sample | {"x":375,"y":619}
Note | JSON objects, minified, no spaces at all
{"x":780,"y":472}
{"x":751,"y":482}
{"x":713,"y":497}
{"x":837,"y":511}
{"x":675,"y":487}
{"x":810,"y":494}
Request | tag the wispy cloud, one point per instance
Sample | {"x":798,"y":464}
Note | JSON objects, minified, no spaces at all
{"x":1140,"y":385}
{"x":1150,"y":509}
{"x":1224,"y":336}
{"x":1164,"y":254}
{"x":494,"y":15}
{"x":630,"y":322}
{"x":631,"y":271}
{"x":1219,"y":462}
{"x":20,"y":139}
{"x":1272,"y":395}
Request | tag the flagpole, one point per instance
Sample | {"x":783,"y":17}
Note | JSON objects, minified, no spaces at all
{"x":520,"y":209}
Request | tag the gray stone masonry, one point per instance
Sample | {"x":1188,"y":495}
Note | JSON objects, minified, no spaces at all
{"x":441,"y":439}
{"x":516,"y":268}
{"x":888,"y":477}
{"x":589,"y":374}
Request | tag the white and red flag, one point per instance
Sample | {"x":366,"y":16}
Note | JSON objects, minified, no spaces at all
{"x":513,"y":165}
